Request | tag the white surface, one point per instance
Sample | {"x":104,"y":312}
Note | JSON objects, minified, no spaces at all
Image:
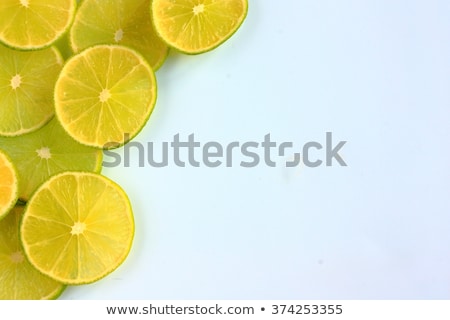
{"x":376,"y":74}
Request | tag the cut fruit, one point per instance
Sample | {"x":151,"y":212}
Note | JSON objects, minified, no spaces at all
{"x":197,"y":26}
{"x":34,"y":24}
{"x":129,"y":23}
{"x":105,"y":95}
{"x":78,"y":228}
{"x":26,"y":89}
{"x":19,"y":279}
{"x":9,"y":186}
{"x":46,"y":152}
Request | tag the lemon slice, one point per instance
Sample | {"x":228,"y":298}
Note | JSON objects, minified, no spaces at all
{"x":26,"y":89}
{"x":197,"y":26}
{"x":18,"y":278}
{"x":77,"y":228}
{"x":46,"y":152}
{"x":9,"y":186}
{"x":105,"y":95}
{"x":34,"y":24}
{"x":129,"y":23}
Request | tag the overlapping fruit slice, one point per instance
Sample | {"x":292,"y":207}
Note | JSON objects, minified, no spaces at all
{"x":27,"y":79}
{"x":196,"y":26}
{"x":18,"y":278}
{"x":34,"y":24}
{"x":78,"y":227}
{"x":46,"y":152}
{"x":129,"y":23}
{"x":105,"y":95}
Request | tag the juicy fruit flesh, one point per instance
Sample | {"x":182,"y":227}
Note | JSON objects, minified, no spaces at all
{"x":34,"y":24}
{"x":26,"y":89}
{"x":19,"y":279}
{"x":197,"y":26}
{"x":78,"y":228}
{"x":105,"y":95}
{"x":8,"y":185}
{"x":129,"y":24}
{"x":46,"y":152}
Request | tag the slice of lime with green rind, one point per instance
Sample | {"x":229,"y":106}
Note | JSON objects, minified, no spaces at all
{"x":27,"y":79}
{"x":129,"y":23}
{"x":105,"y":95}
{"x":34,"y":24}
{"x":46,"y":152}
{"x":195,"y":27}
{"x":78,"y":227}
{"x":18,"y":278}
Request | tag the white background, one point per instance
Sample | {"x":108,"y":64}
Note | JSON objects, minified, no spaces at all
{"x":376,"y":73}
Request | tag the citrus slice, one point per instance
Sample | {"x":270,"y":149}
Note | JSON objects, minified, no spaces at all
{"x":197,"y":26}
{"x":105,"y":95}
{"x":46,"y":152}
{"x":78,"y":228}
{"x":34,"y":24}
{"x":8,"y":185}
{"x":18,"y":278}
{"x":129,"y":23}
{"x":26,"y":89}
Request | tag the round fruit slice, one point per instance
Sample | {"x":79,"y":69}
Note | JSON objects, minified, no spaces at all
{"x":197,"y":26}
{"x":26,"y":89}
{"x":78,"y":227}
{"x":34,"y":24}
{"x":129,"y":23}
{"x":105,"y":95}
{"x":8,"y":185}
{"x":46,"y":152}
{"x":18,"y":278}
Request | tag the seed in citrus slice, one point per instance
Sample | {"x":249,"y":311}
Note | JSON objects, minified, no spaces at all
{"x":129,"y":23}
{"x":46,"y":152}
{"x":198,"y":26}
{"x":9,"y":185}
{"x":105,"y":95}
{"x":27,"y":79}
{"x":18,"y":278}
{"x":78,"y":227}
{"x":34,"y":24}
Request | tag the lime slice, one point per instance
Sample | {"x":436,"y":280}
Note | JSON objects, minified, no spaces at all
{"x":34,"y":24}
{"x":197,"y":26}
{"x":26,"y":89}
{"x":105,"y":95}
{"x":18,"y":278}
{"x":9,"y":186}
{"x":46,"y":152}
{"x":128,"y":23}
{"x":78,"y":227}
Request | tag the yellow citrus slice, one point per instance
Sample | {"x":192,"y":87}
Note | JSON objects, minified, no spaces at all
{"x":129,"y":23}
{"x":34,"y":24}
{"x":26,"y":89}
{"x":105,"y":95}
{"x":9,"y":185}
{"x":46,"y":152}
{"x":197,"y":26}
{"x":18,"y":278}
{"x":78,"y":227}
